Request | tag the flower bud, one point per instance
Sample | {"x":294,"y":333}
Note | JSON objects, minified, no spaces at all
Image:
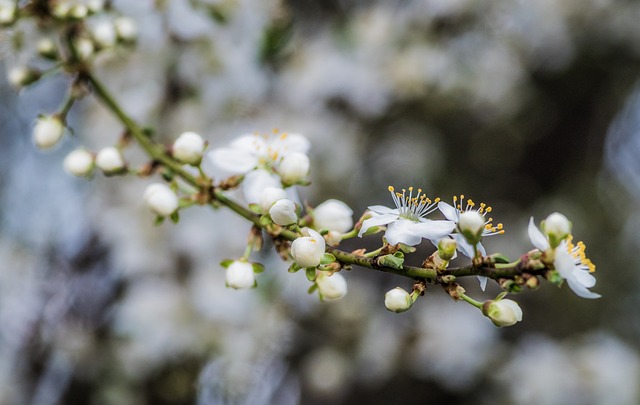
{"x":294,"y":168}
{"x":7,"y":12}
{"x":95,"y":6}
{"x":84,"y":48}
{"x":240,"y":275}
{"x":447,"y":248}
{"x":471,"y":225}
{"x":126,"y":28}
{"x":78,"y":11}
{"x":307,"y":251}
{"x":333,"y":238}
{"x":333,"y":215}
{"x":331,"y":287}
{"x":188,"y":148}
{"x":556,"y":227}
{"x":110,"y":160}
{"x":397,"y":300}
{"x":79,"y":163}
{"x":47,"y":48}
{"x":22,"y":76}
{"x":283,"y":212}
{"x":503,"y":312}
{"x":161,"y":199}
{"x":269,"y":196}
{"x":104,"y":34}
{"x":48,"y":131}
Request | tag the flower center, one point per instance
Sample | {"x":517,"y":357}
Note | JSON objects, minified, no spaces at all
{"x":579,"y":256}
{"x":413,"y":207}
{"x":489,"y":228}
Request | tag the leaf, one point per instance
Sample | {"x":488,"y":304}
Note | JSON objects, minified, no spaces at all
{"x":175,"y":217}
{"x":294,"y":267}
{"x":313,"y":288}
{"x":395,"y":261}
{"x":159,"y":220}
{"x":257,"y":267}
{"x":226,"y":263}
{"x":327,"y":258}
{"x":311,"y":273}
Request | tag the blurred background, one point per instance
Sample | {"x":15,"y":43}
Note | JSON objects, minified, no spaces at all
{"x":530,"y":106}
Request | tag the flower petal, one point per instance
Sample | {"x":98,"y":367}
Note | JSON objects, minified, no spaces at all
{"x":381,"y":209}
{"x":581,"y":290}
{"x":232,"y":160}
{"x":255,"y":182}
{"x":463,"y":246}
{"x":432,"y":230}
{"x":584,"y":277}
{"x":250,"y":143}
{"x":376,"y":221}
{"x":287,"y":143}
{"x":483,"y":282}
{"x":448,"y":211}
{"x":402,"y":231}
{"x":537,"y":237}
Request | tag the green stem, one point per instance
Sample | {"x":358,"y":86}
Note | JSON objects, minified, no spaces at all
{"x":373,"y":253}
{"x":471,"y":301}
{"x":351,"y":234}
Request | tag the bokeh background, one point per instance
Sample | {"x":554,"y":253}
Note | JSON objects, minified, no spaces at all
{"x":531,"y":106}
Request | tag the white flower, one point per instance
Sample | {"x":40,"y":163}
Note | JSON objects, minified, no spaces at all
{"x":161,"y":199}
{"x":406,"y":222}
{"x":104,"y":34}
{"x":294,"y":168}
{"x":188,"y":148}
{"x":269,"y":196}
{"x":47,"y":48}
{"x":397,"y":300}
{"x":126,"y":28}
{"x":307,"y":251}
{"x":283,"y":212}
{"x":240,"y":275}
{"x":84,"y":47}
{"x":79,"y":163}
{"x":110,"y":160}
{"x":333,"y":215}
{"x":255,"y":182}
{"x":573,"y":266}
{"x":503,"y":312}
{"x":331,"y":287}
{"x":48,"y":131}
{"x":249,"y":152}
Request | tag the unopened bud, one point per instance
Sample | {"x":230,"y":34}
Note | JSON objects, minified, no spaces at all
{"x":188,"y":148}
{"x":104,"y":34}
{"x":240,"y":275}
{"x":503,"y":312}
{"x":269,"y":196}
{"x":307,"y":251}
{"x":556,"y":227}
{"x":110,"y":160}
{"x":22,"y":76}
{"x":84,"y":47}
{"x":283,"y":212}
{"x":471,"y":224}
{"x":398,"y":300}
{"x":333,"y":215}
{"x":447,"y":248}
{"x":331,"y":287}
{"x":48,"y":131}
{"x":79,"y":163}
{"x":126,"y":28}
{"x":47,"y":48}
{"x":333,"y":238}
{"x":7,"y":12}
{"x":294,"y":168}
{"x":161,"y":199}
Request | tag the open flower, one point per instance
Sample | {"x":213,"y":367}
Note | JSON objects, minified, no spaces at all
{"x":573,"y":266}
{"x":252,"y":151}
{"x":407,"y":223}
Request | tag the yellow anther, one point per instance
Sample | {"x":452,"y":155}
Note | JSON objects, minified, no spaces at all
{"x":391,"y":189}
{"x":499,"y":226}
{"x":276,"y":130}
{"x":411,"y":188}
{"x":489,"y":209}
{"x":419,"y":190}
{"x":437,"y":199}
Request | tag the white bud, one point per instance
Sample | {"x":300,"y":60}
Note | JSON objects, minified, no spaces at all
{"x":79,"y":163}
{"x":333,"y":238}
{"x":447,"y":248}
{"x":161,"y":199}
{"x":78,"y":11}
{"x":110,"y":160}
{"x":471,"y":224}
{"x":95,"y":6}
{"x":47,"y":48}
{"x":188,"y":148}
{"x":294,"y":167}
{"x":307,"y":251}
{"x":331,"y":287}
{"x":397,"y":300}
{"x":269,"y":196}
{"x":283,"y":212}
{"x":333,"y":215}
{"x":556,"y":227}
{"x":21,"y":76}
{"x":48,"y":131}
{"x":84,"y":47}
{"x":104,"y":33}
{"x":126,"y":28}
{"x":240,"y":275}
{"x":61,"y":9}
{"x":7,"y":12}
{"x":503,"y":312}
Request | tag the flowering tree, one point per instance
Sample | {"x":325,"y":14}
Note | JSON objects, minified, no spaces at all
{"x":268,"y":169}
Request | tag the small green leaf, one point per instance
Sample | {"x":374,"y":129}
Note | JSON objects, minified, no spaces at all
{"x":175,"y":217}
{"x":311,"y":273}
{"x":499,"y":258}
{"x":257,"y":268}
{"x":255,"y":208}
{"x":313,"y":288}
{"x":395,"y":261}
{"x":158,"y":221}
{"x":265,"y":220}
{"x":294,"y":267}
{"x":372,"y":230}
{"x":226,"y":263}
{"x":327,"y":258}
{"x":406,"y":248}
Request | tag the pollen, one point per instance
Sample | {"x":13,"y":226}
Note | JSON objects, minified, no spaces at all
{"x":412,"y":207}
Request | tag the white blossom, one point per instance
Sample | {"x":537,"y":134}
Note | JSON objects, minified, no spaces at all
{"x":407,"y":223}
{"x":240,"y":275}
{"x":331,"y":287}
{"x":283,"y":212}
{"x":269,"y":196}
{"x":573,"y":266}
{"x":104,"y":34}
{"x":397,"y":300}
{"x":503,"y":312}
{"x":79,"y":163}
{"x":126,"y":28}
{"x":110,"y":160}
{"x":307,"y":251}
{"x":161,"y":199}
{"x":333,"y":215}
{"x":48,"y":131}
{"x":188,"y":148}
